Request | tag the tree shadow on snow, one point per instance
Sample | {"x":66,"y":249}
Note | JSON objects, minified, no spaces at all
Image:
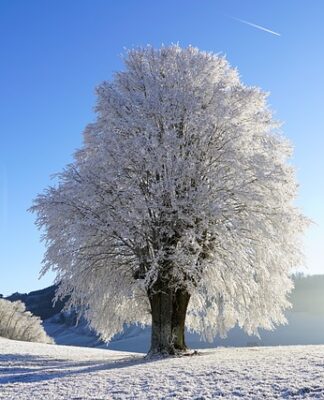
{"x":27,"y":368}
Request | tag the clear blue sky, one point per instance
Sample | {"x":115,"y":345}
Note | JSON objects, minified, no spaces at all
{"x":53,"y":54}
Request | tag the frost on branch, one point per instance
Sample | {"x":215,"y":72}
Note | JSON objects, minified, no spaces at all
{"x":182,"y":183}
{"x":18,"y":324}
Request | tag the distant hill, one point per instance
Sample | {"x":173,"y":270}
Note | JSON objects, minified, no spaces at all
{"x":40,"y":302}
{"x":308,"y":295}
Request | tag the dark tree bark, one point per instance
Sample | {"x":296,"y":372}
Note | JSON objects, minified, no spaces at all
{"x":168,"y":308}
{"x":180,"y":304}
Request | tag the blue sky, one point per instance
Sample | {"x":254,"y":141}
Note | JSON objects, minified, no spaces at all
{"x":53,"y":54}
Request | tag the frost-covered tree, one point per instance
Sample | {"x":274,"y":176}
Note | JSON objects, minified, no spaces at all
{"x":179,"y":206}
{"x":18,"y":324}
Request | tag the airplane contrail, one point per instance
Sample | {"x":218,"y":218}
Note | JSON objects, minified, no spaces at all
{"x":262,"y":28}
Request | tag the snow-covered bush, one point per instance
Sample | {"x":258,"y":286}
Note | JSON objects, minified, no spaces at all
{"x":19,"y":324}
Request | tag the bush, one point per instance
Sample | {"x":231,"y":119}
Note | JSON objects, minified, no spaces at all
{"x":18,"y":324}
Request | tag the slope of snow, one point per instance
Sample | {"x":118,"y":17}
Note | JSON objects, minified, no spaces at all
{"x":38,"y":371}
{"x":302,"y":328}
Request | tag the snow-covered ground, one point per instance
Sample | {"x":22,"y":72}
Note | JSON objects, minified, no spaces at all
{"x":40,"y":371}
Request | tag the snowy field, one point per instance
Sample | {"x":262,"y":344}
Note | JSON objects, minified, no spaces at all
{"x":40,"y":371}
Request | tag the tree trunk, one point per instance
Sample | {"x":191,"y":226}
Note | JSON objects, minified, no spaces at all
{"x":180,"y":304}
{"x":169,"y":308}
